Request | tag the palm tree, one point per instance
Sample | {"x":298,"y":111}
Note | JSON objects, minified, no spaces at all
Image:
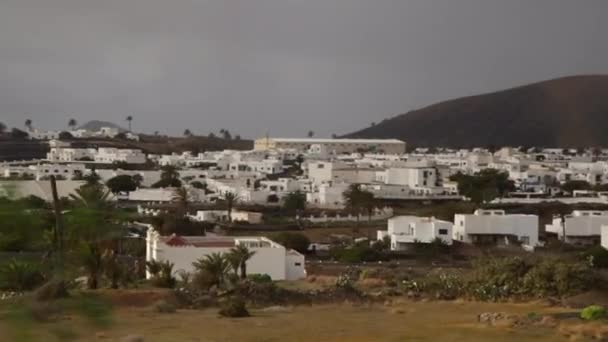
{"x":92,"y":262}
{"x":129,"y":120}
{"x":91,"y":196}
{"x":28,"y":124}
{"x":234,"y":260}
{"x":231,"y":199}
{"x":181,"y":197}
{"x":72,"y":123}
{"x":112,"y":268}
{"x":241,"y":254}
{"x":215,"y":265}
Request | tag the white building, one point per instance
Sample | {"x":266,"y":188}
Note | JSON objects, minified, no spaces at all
{"x":582,"y":227}
{"x":111,"y":155}
{"x":405,"y":230}
{"x":328,"y":196}
{"x":36,"y":134}
{"x":222,"y":216}
{"x":333,"y":146}
{"x":496,"y":227}
{"x":270,"y":257}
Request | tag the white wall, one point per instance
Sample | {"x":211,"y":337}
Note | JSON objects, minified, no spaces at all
{"x":495,"y":223}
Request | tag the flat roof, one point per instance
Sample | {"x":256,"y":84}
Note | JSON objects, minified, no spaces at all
{"x":325,"y":141}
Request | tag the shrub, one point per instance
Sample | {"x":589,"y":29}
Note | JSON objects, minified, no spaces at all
{"x":594,"y":312}
{"x":153,"y":267}
{"x":162,"y":306}
{"x":597,"y":256}
{"x":496,"y":279}
{"x":260,"y":278}
{"x":557,"y":278}
{"x":163,"y":277}
{"x":445,"y":286}
{"x":20,"y":276}
{"x":356,"y":254}
{"x":54,"y":289}
{"x":234,"y":307}
{"x":202,"y":281}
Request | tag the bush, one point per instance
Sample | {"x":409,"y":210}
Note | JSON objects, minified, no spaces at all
{"x":594,"y":312}
{"x":597,"y":256}
{"x":162,"y":306}
{"x":20,"y":276}
{"x":357,"y":254}
{"x":259,"y":278}
{"x":496,"y":279}
{"x":233,"y":307}
{"x":162,"y":274}
{"x":557,"y":278}
{"x":445,"y":286}
{"x":54,"y":289}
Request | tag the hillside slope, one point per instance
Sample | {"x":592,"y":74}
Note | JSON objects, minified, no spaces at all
{"x":565,"y":112}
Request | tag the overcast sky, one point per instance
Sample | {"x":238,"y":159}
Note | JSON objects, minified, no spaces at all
{"x":283,"y":66}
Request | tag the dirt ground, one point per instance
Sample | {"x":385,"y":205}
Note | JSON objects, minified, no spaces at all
{"x":397,"y":321}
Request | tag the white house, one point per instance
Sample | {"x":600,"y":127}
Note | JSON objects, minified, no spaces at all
{"x":496,"y":227}
{"x":222,"y":216}
{"x":111,"y":155}
{"x":335,"y":146}
{"x":328,"y":196}
{"x":270,"y":257}
{"x":404,"y":230}
{"x":582,"y":227}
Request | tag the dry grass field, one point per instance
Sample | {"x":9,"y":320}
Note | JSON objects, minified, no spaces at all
{"x":399,"y":321}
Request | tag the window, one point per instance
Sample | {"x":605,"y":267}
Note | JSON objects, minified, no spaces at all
{"x":443,"y":232}
{"x":298,"y":264}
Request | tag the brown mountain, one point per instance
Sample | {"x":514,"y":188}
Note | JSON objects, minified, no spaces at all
{"x":564,"y":112}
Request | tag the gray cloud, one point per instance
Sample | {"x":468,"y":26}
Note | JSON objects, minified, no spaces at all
{"x":284,"y":66}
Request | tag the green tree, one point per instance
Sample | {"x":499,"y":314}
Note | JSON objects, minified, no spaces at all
{"x":2,"y":128}
{"x":169,"y":177}
{"x":485,"y":185}
{"x":573,"y":185}
{"x":122,"y":183}
{"x":22,"y":228}
{"x":28,"y":124}
{"x":295,"y":202}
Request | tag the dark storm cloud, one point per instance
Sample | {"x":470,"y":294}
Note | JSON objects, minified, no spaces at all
{"x":284,"y":66}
